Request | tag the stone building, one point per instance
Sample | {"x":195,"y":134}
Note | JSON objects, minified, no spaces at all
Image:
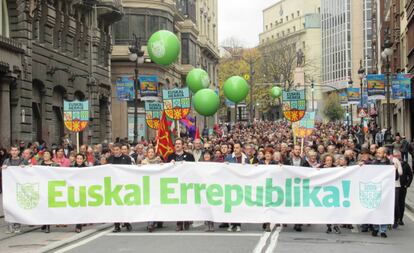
{"x":194,"y":23}
{"x":51,"y":51}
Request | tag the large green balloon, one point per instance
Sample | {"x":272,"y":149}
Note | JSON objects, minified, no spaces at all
{"x":236,"y":89}
{"x":206,"y":102}
{"x":197,"y":79}
{"x":164,"y":47}
{"x":276,"y":92}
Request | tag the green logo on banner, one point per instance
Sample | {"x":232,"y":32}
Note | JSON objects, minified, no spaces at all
{"x":370,"y":194}
{"x":27,"y":195}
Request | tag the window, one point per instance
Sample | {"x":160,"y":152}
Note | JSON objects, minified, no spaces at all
{"x":287,"y":18}
{"x":293,"y":16}
{"x":294,"y":28}
{"x":142,"y":24}
{"x":298,"y":12}
{"x":4,"y":19}
{"x":189,"y":49}
{"x":271,"y":25}
{"x":267,"y":28}
{"x":288,"y":31}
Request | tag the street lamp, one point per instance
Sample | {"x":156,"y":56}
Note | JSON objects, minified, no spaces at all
{"x":136,"y":54}
{"x":348,"y":113}
{"x":386,"y":53}
{"x":361,"y":74}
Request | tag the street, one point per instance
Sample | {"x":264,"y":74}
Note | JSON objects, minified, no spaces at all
{"x":99,"y":238}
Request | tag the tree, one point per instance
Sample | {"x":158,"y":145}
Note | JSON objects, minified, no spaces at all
{"x":333,"y":109}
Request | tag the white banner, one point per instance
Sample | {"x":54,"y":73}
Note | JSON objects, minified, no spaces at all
{"x":199,"y":191}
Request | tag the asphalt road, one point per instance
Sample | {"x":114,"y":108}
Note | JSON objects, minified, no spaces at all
{"x":251,"y":239}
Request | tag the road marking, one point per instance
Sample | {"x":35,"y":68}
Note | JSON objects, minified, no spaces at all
{"x":409,"y":216}
{"x":273,"y":241}
{"x":263,"y":240}
{"x":82,"y":242}
{"x":187,"y":234}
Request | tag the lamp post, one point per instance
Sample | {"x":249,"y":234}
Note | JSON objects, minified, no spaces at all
{"x":386,"y":53}
{"x":136,"y":55}
{"x":348,"y":116}
{"x":350,"y":85}
{"x":361,"y":74}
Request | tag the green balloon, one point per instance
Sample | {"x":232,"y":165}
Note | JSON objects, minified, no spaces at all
{"x":163,"y":47}
{"x":206,"y":102}
{"x":198,"y":79}
{"x":236,"y":89}
{"x":276,"y":92}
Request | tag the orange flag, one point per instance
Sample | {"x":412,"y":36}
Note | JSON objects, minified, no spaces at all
{"x":165,"y":145}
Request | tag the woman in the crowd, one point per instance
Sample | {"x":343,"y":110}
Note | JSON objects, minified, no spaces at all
{"x":72,"y":158}
{"x":47,"y":161}
{"x":277,"y":157}
{"x":103,"y":160}
{"x":208,"y":157}
{"x":60,"y":158}
{"x":218,"y":156}
{"x":267,"y":160}
{"x":152,"y":158}
{"x":80,"y":162}
{"x":328,"y":161}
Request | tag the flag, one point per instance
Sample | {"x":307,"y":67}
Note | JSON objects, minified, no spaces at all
{"x":165,"y":145}
{"x":197,"y":134}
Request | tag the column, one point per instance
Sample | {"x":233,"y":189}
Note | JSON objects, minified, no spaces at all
{"x":5,"y":125}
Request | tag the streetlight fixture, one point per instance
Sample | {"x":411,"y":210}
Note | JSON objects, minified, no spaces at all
{"x":313,"y":97}
{"x":136,"y":54}
{"x":386,"y":53}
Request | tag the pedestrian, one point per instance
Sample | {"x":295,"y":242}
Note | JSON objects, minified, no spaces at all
{"x":119,"y":158}
{"x":180,"y":155}
{"x":152,"y":158}
{"x":47,"y":161}
{"x":80,"y":162}
{"x":267,"y":160}
{"x":396,"y":161}
{"x":405,"y":181}
{"x":237,"y":157}
{"x":207,"y":157}
{"x":328,"y":161}
{"x":60,"y":157}
{"x":14,"y":160}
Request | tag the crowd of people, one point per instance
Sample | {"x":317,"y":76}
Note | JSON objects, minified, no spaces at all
{"x":268,"y":143}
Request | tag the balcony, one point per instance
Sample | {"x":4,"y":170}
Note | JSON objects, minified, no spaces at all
{"x":109,"y":9}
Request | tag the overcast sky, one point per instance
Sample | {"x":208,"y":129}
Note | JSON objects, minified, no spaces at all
{"x":242,"y":19}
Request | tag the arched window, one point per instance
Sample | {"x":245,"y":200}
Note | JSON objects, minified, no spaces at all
{"x":4,"y":19}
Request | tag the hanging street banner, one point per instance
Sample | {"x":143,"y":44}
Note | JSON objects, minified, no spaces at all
{"x":343,"y":97}
{"x":148,"y":87}
{"x":401,"y":86}
{"x":177,"y":103}
{"x":305,"y":126}
{"x":125,"y":90}
{"x":294,"y":105}
{"x":376,"y":86}
{"x":209,"y":191}
{"x":153,"y":113}
{"x":76,"y":115}
{"x":354,"y":96}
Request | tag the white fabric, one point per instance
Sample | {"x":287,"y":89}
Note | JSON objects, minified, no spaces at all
{"x":199,"y":191}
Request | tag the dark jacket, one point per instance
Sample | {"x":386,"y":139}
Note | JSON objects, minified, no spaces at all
{"x":232,"y":159}
{"x":263,"y":162}
{"x":187,"y":157}
{"x":123,"y":159}
{"x":407,"y":177}
{"x":303,"y":162}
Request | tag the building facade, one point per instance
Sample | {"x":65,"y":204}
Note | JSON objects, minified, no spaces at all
{"x":297,"y":23}
{"x":51,"y":51}
{"x":194,"y":23}
{"x":394,"y":24}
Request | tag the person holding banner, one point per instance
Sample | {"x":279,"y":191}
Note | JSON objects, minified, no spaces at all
{"x":47,"y":161}
{"x":118,"y":158}
{"x":267,"y":160}
{"x":328,"y":161}
{"x":297,"y":160}
{"x":152,"y":158}
{"x":207,"y":157}
{"x":179,"y":156}
{"x":60,"y":158}
{"x":237,"y":157}
{"x":80,"y":162}
{"x":14,"y":160}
